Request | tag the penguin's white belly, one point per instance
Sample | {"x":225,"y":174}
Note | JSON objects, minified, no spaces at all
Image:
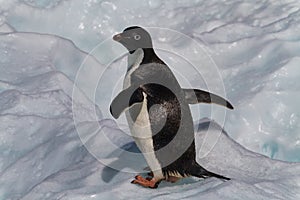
{"x":142,"y":135}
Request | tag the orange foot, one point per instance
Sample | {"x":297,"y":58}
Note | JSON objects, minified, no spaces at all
{"x":145,"y":182}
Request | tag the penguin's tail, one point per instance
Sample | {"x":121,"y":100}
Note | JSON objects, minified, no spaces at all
{"x":211,"y":174}
{"x":200,"y":172}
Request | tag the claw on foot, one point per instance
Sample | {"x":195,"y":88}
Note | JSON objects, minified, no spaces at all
{"x":145,"y":182}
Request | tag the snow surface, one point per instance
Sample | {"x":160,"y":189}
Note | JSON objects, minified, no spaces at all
{"x":54,"y":97}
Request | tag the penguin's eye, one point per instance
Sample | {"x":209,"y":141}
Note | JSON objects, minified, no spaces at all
{"x":137,"y":37}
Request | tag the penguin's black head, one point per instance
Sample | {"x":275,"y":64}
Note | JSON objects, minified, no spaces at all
{"x":133,"y":38}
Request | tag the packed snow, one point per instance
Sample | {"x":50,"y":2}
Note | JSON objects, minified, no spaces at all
{"x":59,"y":70}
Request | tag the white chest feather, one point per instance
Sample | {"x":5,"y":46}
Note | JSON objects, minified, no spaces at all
{"x":134,"y":61}
{"x":142,"y":135}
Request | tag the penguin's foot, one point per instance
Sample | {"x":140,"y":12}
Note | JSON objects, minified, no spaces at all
{"x":145,"y":182}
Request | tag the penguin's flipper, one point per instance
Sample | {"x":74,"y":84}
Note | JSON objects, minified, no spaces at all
{"x":194,"y":96}
{"x":124,"y":100}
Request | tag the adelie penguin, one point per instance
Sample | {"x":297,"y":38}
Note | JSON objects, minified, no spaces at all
{"x":158,"y":113}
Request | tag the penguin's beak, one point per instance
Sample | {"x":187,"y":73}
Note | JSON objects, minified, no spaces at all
{"x":117,"y":37}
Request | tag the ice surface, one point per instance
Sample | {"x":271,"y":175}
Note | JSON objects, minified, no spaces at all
{"x":254,"y":44}
{"x":38,"y":136}
{"x":49,"y":86}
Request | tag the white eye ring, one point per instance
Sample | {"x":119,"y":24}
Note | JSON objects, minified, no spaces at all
{"x":137,"y":37}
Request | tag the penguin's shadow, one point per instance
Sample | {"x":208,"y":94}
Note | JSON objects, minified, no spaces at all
{"x":183,"y":181}
{"x":109,"y":172}
{"x":123,"y":161}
